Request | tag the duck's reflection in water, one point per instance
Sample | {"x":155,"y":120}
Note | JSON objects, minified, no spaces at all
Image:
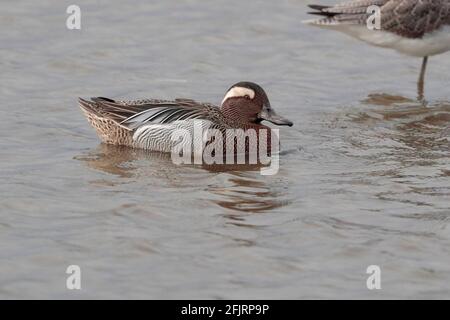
{"x":116,"y":160}
{"x":246,"y":194}
{"x":237,"y":188}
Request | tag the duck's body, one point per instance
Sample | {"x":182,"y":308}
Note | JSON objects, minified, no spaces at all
{"x":151,"y":124}
{"x":418,"y":28}
{"x":147,"y":124}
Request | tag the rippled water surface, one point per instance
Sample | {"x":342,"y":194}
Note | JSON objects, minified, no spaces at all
{"x":364,"y":176}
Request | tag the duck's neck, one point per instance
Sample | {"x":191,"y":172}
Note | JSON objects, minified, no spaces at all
{"x":239,"y":119}
{"x":255,"y":126}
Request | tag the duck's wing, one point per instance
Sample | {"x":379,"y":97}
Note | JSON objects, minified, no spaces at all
{"x":152,"y":124}
{"x":407,"y":18}
{"x":133,"y":114}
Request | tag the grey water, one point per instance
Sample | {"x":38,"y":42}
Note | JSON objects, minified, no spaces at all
{"x":364,"y":176}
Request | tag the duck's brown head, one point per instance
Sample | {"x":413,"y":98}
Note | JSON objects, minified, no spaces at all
{"x":246,"y":102}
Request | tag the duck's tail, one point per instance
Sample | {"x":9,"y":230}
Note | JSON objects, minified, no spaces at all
{"x":88,"y":107}
{"x":108,"y":130}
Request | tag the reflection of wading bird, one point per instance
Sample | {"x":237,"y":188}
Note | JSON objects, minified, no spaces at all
{"x":419,"y":28}
{"x":150,"y":124}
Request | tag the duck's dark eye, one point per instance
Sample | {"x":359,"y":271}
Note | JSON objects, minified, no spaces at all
{"x":247,"y":97}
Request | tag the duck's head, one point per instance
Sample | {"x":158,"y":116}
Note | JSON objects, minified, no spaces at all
{"x":246,"y":102}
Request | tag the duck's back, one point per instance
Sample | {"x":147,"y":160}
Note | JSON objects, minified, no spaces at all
{"x":150,"y":124}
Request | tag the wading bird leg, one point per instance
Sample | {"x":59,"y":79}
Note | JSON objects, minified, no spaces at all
{"x":421,"y":81}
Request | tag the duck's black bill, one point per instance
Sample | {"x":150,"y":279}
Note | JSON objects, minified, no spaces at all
{"x":271,"y":116}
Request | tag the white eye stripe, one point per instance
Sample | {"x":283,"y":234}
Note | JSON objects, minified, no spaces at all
{"x":239,"y":92}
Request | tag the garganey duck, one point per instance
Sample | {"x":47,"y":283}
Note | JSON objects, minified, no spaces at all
{"x":149,"y":124}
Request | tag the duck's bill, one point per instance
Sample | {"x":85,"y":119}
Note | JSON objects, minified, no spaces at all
{"x":271,"y":116}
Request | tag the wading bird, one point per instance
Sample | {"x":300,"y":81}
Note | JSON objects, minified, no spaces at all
{"x":419,"y":28}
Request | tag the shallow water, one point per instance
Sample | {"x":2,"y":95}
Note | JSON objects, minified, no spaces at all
{"x":364,"y":177}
